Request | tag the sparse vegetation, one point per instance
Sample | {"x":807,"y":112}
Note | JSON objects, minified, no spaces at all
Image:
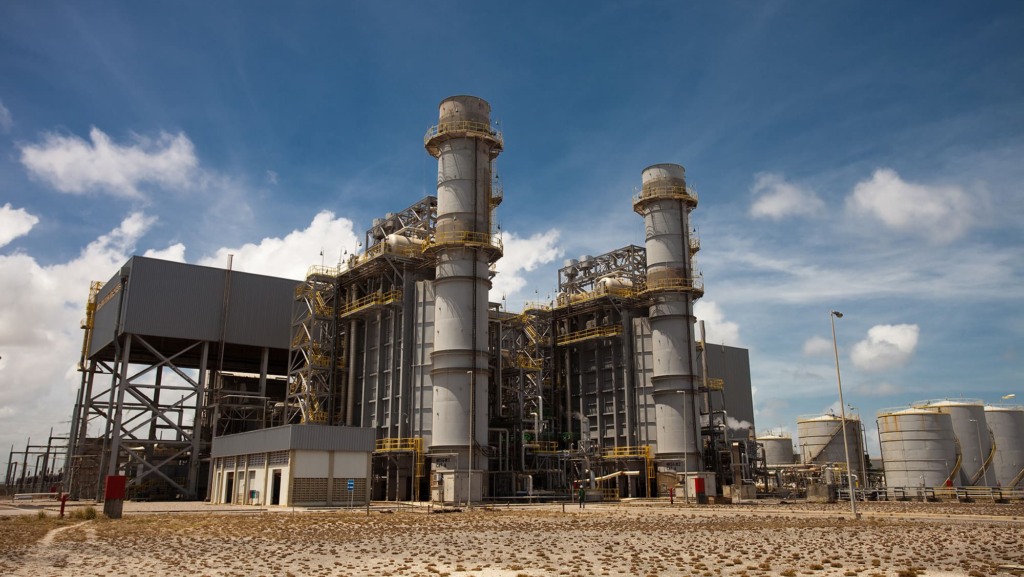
{"x":618,"y":540}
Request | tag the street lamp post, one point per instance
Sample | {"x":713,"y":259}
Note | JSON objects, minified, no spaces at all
{"x":833,"y":315}
{"x":981,"y":452}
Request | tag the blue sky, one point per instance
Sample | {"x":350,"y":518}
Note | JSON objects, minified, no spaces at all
{"x":864,"y":157}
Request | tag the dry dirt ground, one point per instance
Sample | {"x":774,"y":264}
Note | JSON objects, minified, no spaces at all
{"x":892,"y":539}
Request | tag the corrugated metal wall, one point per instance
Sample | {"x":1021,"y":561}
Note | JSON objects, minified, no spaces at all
{"x":301,"y":437}
{"x":176,"y":300}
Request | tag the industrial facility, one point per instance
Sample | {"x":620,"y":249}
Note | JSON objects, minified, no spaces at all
{"x":953,"y":443}
{"x":931,"y":447}
{"x":392,"y":376}
{"x":205,"y":383}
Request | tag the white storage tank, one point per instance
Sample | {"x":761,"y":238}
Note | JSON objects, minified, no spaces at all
{"x":1007,"y":425}
{"x":971,"y":431}
{"x":821,"y":439}
{"x":778,"y":449}
{"x":918,"y":447}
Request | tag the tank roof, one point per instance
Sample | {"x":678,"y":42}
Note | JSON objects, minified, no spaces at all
{"x":826,"y":417}
{"x":1004,"y":407}
{"x":923,"y":410}
{"x":956,"y":402}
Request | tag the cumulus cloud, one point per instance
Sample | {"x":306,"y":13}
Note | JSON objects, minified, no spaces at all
{"x":6,"y":121}
{"x":291,"y":256}
{"x":14,"y":222}
{"x":40,"y":338}
{"x":885,"y":347}
{"x":940,"y":213}
{"x":777,"y":198}
{"x":175,"y":252}
{"x":522,"y":254}
{"x":719,"y":330}
{"x":817,"y":346}
{"x":71,"y":164}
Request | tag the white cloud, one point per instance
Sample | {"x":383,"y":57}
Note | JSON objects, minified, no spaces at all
{"x":777,"y":198}
{"x":175,"y":252}
{"x":940,"y":213}
{"x":291,"y":256}
{"x":271,"y":177}
{"x":817,"y":346}
{"x":885,"y":347}
{"x":719,"y":330}
{"x":72,"y":165}
{"x":522,"y":255}
{"x":6,"y":121}
{"x":40,"y":339}
{"x":14,"y":222}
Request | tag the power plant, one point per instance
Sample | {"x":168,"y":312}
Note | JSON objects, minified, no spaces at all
{"x":392,"y":376}
{"x":208,"y":383}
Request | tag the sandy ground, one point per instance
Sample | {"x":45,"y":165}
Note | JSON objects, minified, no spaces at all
{"x":640,"y":538}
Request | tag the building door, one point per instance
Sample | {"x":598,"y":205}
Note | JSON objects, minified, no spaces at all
{"x":229,"y":488}
{"x":275,"y":488}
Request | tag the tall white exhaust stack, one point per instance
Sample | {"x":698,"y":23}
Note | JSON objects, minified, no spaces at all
{"x":665,"y":202}
{"x":465,"y":146}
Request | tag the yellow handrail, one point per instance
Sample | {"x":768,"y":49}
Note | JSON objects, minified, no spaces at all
{"x":466,"y":126}
{"x":600,"y":292}
{"x":465,"y":238}
{"x":400,"y":444}
{"x":318,"y":270}
{"x":370,"y":300}
{"x":695,"y":284}
{"x":587,"y":334}
{"x":686,"y":194}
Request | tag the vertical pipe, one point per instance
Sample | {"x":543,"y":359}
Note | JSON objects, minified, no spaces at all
{"x":350,"y":393}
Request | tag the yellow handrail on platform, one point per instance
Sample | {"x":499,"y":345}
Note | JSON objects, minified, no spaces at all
{"x":464,"y":238}
{"x":587,"y":334}
{"x":370,"y":300}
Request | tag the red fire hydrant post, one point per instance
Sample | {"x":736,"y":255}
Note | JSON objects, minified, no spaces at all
{"x":63,"y":500}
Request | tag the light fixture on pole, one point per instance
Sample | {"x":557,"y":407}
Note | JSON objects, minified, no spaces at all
{"x":832,"y":316}
{"x":981,"y":452}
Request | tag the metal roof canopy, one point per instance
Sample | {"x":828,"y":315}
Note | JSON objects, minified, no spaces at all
{"x":172,"y":304}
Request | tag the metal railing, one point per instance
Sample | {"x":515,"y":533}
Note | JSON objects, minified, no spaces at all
{"x":635,"y":452}
{"x":370,"y":300}
{"x":600,"y":292}
{"x":587,"y":334}
{"x":687,"y":194}
{"x":467,"y":127}
{"x":695,"y":284}
{"x":465,"y":238}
